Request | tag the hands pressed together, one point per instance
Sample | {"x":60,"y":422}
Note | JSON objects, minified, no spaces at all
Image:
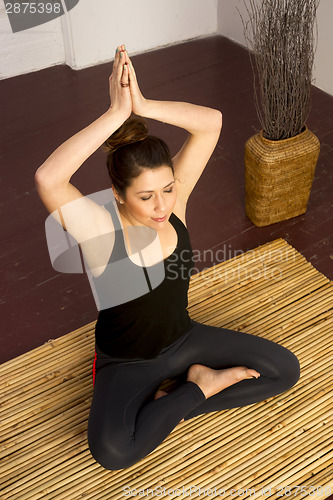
{"x":125,"y":94}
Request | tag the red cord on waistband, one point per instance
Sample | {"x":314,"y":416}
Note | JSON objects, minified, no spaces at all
{"x":94,"y":368}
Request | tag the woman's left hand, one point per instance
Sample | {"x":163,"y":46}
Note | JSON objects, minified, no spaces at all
{"x":139,"y":103}
{"x":119,"y":90}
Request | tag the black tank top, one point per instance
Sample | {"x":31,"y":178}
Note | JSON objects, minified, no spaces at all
{"x":142,"y":327}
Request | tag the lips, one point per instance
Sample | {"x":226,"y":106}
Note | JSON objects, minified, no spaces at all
{"x":160,"y":219}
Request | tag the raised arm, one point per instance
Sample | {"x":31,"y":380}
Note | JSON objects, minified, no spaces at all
{"x":203,"y":124}
{"x":53,"y":176}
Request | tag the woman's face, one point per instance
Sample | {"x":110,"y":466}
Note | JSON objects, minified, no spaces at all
{"x":150,"y":198}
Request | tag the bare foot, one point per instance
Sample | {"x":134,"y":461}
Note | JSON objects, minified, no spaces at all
{"x":213,"y":381}
{"x":160,"y":394}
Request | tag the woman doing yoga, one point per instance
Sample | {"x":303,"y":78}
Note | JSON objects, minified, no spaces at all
{"x":149,"y":337}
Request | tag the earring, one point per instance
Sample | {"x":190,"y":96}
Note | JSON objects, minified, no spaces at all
{"x":121,"y":202}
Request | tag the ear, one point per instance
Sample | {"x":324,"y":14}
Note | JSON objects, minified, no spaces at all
{"x":116,"y":195}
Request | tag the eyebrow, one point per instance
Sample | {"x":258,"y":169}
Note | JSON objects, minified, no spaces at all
{"x":172,"y":182}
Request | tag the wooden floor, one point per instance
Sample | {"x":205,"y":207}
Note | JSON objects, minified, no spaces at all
{"x":277,"y":448}
{"x":41,"y":110}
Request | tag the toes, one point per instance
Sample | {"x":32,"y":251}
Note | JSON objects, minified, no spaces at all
{"x":252,"y":373}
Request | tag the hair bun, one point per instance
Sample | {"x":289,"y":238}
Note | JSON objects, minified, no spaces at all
{"x":132,"y":130}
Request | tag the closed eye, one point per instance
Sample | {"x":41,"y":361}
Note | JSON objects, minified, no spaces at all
{"x":166,"y":191}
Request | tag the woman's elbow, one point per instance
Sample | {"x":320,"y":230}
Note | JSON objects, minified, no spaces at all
{"x":41,"y":175}
{"x":39,"y":178}
{"x":45,"y":177}
{"x":214,"y":122}
{"x":219,"y":119}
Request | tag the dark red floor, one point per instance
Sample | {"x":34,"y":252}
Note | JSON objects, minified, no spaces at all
{"x":42,"y":109}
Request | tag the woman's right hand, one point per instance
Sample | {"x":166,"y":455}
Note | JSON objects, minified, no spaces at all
{"x":120,"y":96}
{"x":139,"y":103}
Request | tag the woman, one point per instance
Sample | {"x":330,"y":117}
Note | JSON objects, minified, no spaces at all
{"x":145,"y":340}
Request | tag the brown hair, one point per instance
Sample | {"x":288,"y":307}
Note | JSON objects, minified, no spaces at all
{"x":130,"y":150}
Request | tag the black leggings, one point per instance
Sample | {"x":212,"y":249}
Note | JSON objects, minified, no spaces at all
{"x":126,"y":423}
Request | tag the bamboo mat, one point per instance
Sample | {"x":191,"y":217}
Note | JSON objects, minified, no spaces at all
{"x":279,"y":447}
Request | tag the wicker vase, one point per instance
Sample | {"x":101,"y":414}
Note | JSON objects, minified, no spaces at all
{"x":279,"y":176}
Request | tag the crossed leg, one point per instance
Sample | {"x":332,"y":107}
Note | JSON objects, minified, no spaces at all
{"x":127,"y":421}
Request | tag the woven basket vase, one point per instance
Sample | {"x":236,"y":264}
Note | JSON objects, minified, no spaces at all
{"x":279,"y":176}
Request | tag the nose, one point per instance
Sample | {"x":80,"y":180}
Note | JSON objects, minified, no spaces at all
{"x":160,"y":204}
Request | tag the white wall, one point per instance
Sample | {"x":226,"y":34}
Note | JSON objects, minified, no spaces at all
{"x":89,"y":33}
{"x":29,"y":50}
{"x":323,"y":70}
{"x":140,"y":25}
{"x":229,"y":22}
{"x":230,"y":25}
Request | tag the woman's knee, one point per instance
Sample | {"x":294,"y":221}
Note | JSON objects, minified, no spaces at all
{"x":110,"y":455}
{"x":290,"y":369}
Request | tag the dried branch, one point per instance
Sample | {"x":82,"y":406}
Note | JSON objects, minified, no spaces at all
{"x":281,"y":38}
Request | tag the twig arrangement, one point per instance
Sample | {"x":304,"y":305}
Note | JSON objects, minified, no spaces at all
{"x":281,"y":36}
